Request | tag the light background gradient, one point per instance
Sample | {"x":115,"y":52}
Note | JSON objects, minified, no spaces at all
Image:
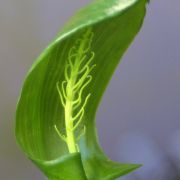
{"x":139,"y":118}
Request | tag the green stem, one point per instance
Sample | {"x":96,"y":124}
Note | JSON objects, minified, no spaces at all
{"x":71,"y":143}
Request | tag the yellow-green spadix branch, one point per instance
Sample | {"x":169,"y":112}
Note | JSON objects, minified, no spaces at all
{"x":77,"y":77}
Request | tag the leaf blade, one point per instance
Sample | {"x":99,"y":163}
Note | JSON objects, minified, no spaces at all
{"x":114,"y":24}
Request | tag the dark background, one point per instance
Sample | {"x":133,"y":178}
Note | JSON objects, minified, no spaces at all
{"x":139,"y":118}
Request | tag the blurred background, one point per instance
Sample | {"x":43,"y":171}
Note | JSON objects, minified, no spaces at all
{"x":139,"y":118}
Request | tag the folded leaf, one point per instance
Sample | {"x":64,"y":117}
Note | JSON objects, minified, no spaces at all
{"x":55,"y":119}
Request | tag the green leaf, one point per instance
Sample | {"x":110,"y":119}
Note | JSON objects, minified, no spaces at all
{"x":55,"y":119}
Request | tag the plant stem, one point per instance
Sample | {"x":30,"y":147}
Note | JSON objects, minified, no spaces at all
{"x":68,"y":119}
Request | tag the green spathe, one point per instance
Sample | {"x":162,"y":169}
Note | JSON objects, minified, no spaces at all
{"x":114,"y":24}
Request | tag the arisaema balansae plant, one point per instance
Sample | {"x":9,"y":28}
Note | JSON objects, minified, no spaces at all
{"x":55,"y":118}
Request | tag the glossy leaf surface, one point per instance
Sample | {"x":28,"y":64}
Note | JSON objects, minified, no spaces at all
{"x":113,"y":24}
